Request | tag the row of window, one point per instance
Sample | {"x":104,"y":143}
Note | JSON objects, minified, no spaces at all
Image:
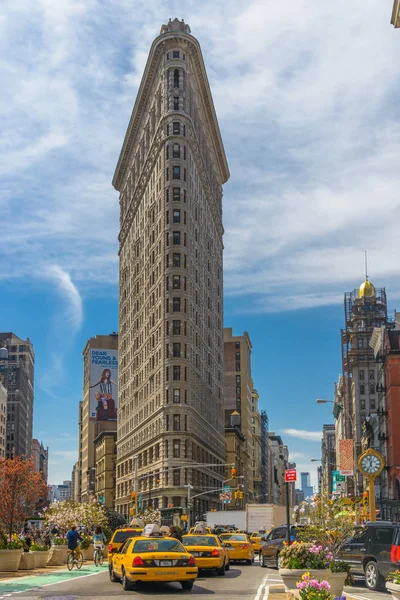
{"x":371,"y":388}
{"x":177,"y":396}
{"x":175,"y":54}
{"x":371,"y":374}
{"x":175,"y":328}
{"x":178,"y":128}
{"x":176,"y":352}
{"x":371,"y":401}
{"x":176,"y":372}
{"x":176,"y":281}
{"x":175,"y":260}
{"x":176,"y":238}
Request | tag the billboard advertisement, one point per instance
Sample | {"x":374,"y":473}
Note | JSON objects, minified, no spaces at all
{"x":103,"y":384}
{"x":346,"y":457}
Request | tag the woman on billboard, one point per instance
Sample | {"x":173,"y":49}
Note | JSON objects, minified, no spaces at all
{"x":105,"y":409}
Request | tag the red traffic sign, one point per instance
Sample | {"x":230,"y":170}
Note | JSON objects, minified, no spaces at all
{"x":290,"y":475}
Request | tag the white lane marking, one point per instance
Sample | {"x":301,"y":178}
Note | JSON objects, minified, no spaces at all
{"x":260,"y":588}
{"x":39,"y":587}
{"x":266,"y":592}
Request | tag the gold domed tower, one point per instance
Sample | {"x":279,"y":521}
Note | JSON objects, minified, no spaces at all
{"x":365,"y":308}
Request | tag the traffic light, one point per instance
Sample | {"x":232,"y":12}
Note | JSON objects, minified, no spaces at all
{"x":233,"y":473}
{"x":365,"y":498}
{"x":133,"y":509}
{"x":241,"y":494}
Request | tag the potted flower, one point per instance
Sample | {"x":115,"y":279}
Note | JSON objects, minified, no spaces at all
{"x":393,"y":584}
{"x":11,"y":550}
{"x":41,"y":555}
{"x":301,"y":557}
{"x":58,"y":552}
{"x":314,"y":589}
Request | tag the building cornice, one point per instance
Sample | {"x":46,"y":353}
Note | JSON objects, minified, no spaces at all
{"x":158,"y":47}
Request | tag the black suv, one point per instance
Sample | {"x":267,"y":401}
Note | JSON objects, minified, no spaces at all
{"x":373,"y":551}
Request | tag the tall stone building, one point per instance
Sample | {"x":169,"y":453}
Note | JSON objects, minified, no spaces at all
{"x":170,"y":174}
{"x":40,"y":456}
{"x":97,"y":410}
{"x":396,"y":13}
{"x":365,"y":309}
{"x":240,"y":396}
{"x":328,"y":458}
{"x":17,"y":363}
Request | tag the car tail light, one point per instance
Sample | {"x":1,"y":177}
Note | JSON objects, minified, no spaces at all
{"x":395,"y":554}
{"x":215,"y":553}
{"x":245,"y":546}
{"x":137,"y":562}
{"x":110,"y":548}
{"x":191,"y":561}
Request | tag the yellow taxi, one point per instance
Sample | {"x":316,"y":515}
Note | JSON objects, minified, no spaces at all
{"x":209,"y":552}
{"x":118,"y":538}
{"x":239,"y":546}
{"x":153,"y":558}
{"x":196,"y":529}
{"x":255,"y":540}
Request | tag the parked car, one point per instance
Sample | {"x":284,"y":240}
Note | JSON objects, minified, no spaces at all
{"x":373,"y":551}
{"x":272,"y":543}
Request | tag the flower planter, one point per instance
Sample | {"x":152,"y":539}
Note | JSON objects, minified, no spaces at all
{"x":41,"y":558}
{"x":88,"y":553}
{"x":394,"y":589}
{"x":27,"y":562}
{"x":58,"y":556}
{"x":9,"y":559}
{"x":290,"y":578}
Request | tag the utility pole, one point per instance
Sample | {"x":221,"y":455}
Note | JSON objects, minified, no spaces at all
{"x":189,"y":487}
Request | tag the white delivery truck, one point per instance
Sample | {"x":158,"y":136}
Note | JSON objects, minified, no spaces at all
{"x":254,"y":518}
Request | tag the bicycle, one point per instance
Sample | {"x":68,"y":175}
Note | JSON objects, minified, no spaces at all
{"x":98,"y":555}
{"x":74,"y":558}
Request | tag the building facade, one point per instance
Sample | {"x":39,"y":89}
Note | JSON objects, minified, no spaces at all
{"x":75,"y":482}
{"x":169,"y":175}
{"x":105,"y":459}
{"x":3,"y":420}
{"x":328,"y":458}
{"x":384,"y":431}
{"x":40,"y":456}
{"x":97,"y":409}
{"x":306,"y":486}
{"x":17,"y":375}
{"x":279,"y":463}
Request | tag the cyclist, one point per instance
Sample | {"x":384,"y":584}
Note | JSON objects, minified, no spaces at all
{"x":72,"y":538}
{"x":98,"y":539}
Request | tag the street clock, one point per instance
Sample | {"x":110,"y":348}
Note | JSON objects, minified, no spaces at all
{"x":371,"y":463}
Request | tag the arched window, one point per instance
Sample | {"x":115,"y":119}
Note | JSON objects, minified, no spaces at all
{"x":176,"y":151}
{"x":176,"y":78}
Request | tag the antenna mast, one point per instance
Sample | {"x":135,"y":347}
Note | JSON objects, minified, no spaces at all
{"x":366,"y":265}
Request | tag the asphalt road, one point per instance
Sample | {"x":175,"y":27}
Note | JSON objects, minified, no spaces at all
{"x":242,"y":582}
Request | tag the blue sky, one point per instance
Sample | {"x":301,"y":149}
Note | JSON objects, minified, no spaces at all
{"x":307,"y":96}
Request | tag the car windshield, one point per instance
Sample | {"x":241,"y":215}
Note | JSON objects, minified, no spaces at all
{"x":121,"y":536}
{"x":157,"y":545}
{"x":234,"y":537}
{"x":199,"y":540}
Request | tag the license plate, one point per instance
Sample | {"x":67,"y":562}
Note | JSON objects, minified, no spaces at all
{"x":167,"y":573}
{"x":165,"y":563}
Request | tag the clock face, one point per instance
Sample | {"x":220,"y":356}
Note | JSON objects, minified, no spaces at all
{"x":371,"y":464}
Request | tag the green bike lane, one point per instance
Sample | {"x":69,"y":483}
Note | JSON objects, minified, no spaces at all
{"x":32,"y":582}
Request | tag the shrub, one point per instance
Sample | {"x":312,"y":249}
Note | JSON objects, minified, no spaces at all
{"x":394,"y":577}
{"x":300,"y":555}
{"x":38,"y":548}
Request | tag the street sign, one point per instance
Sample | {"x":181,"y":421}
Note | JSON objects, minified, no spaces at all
{"x":340,"y":478}
{"x":348,"y":472}
{"x":290,"y":475}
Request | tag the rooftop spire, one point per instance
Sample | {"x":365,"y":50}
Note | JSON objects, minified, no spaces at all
{"x":175,"y":25}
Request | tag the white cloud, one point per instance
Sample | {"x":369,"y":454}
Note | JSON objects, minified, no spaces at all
{"x":308,"y":116}
{"x":69,"y":292}
{"x":296,"y":455}
{"x":303,"y":434}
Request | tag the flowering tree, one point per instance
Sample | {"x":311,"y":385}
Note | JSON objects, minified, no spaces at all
{"x":68,"y":512}
{"x":150,"y":515}
{"x":22,"y":489}
{"x":330,"y":523}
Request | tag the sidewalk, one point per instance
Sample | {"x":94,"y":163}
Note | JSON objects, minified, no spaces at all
{"x":5,"y":575}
